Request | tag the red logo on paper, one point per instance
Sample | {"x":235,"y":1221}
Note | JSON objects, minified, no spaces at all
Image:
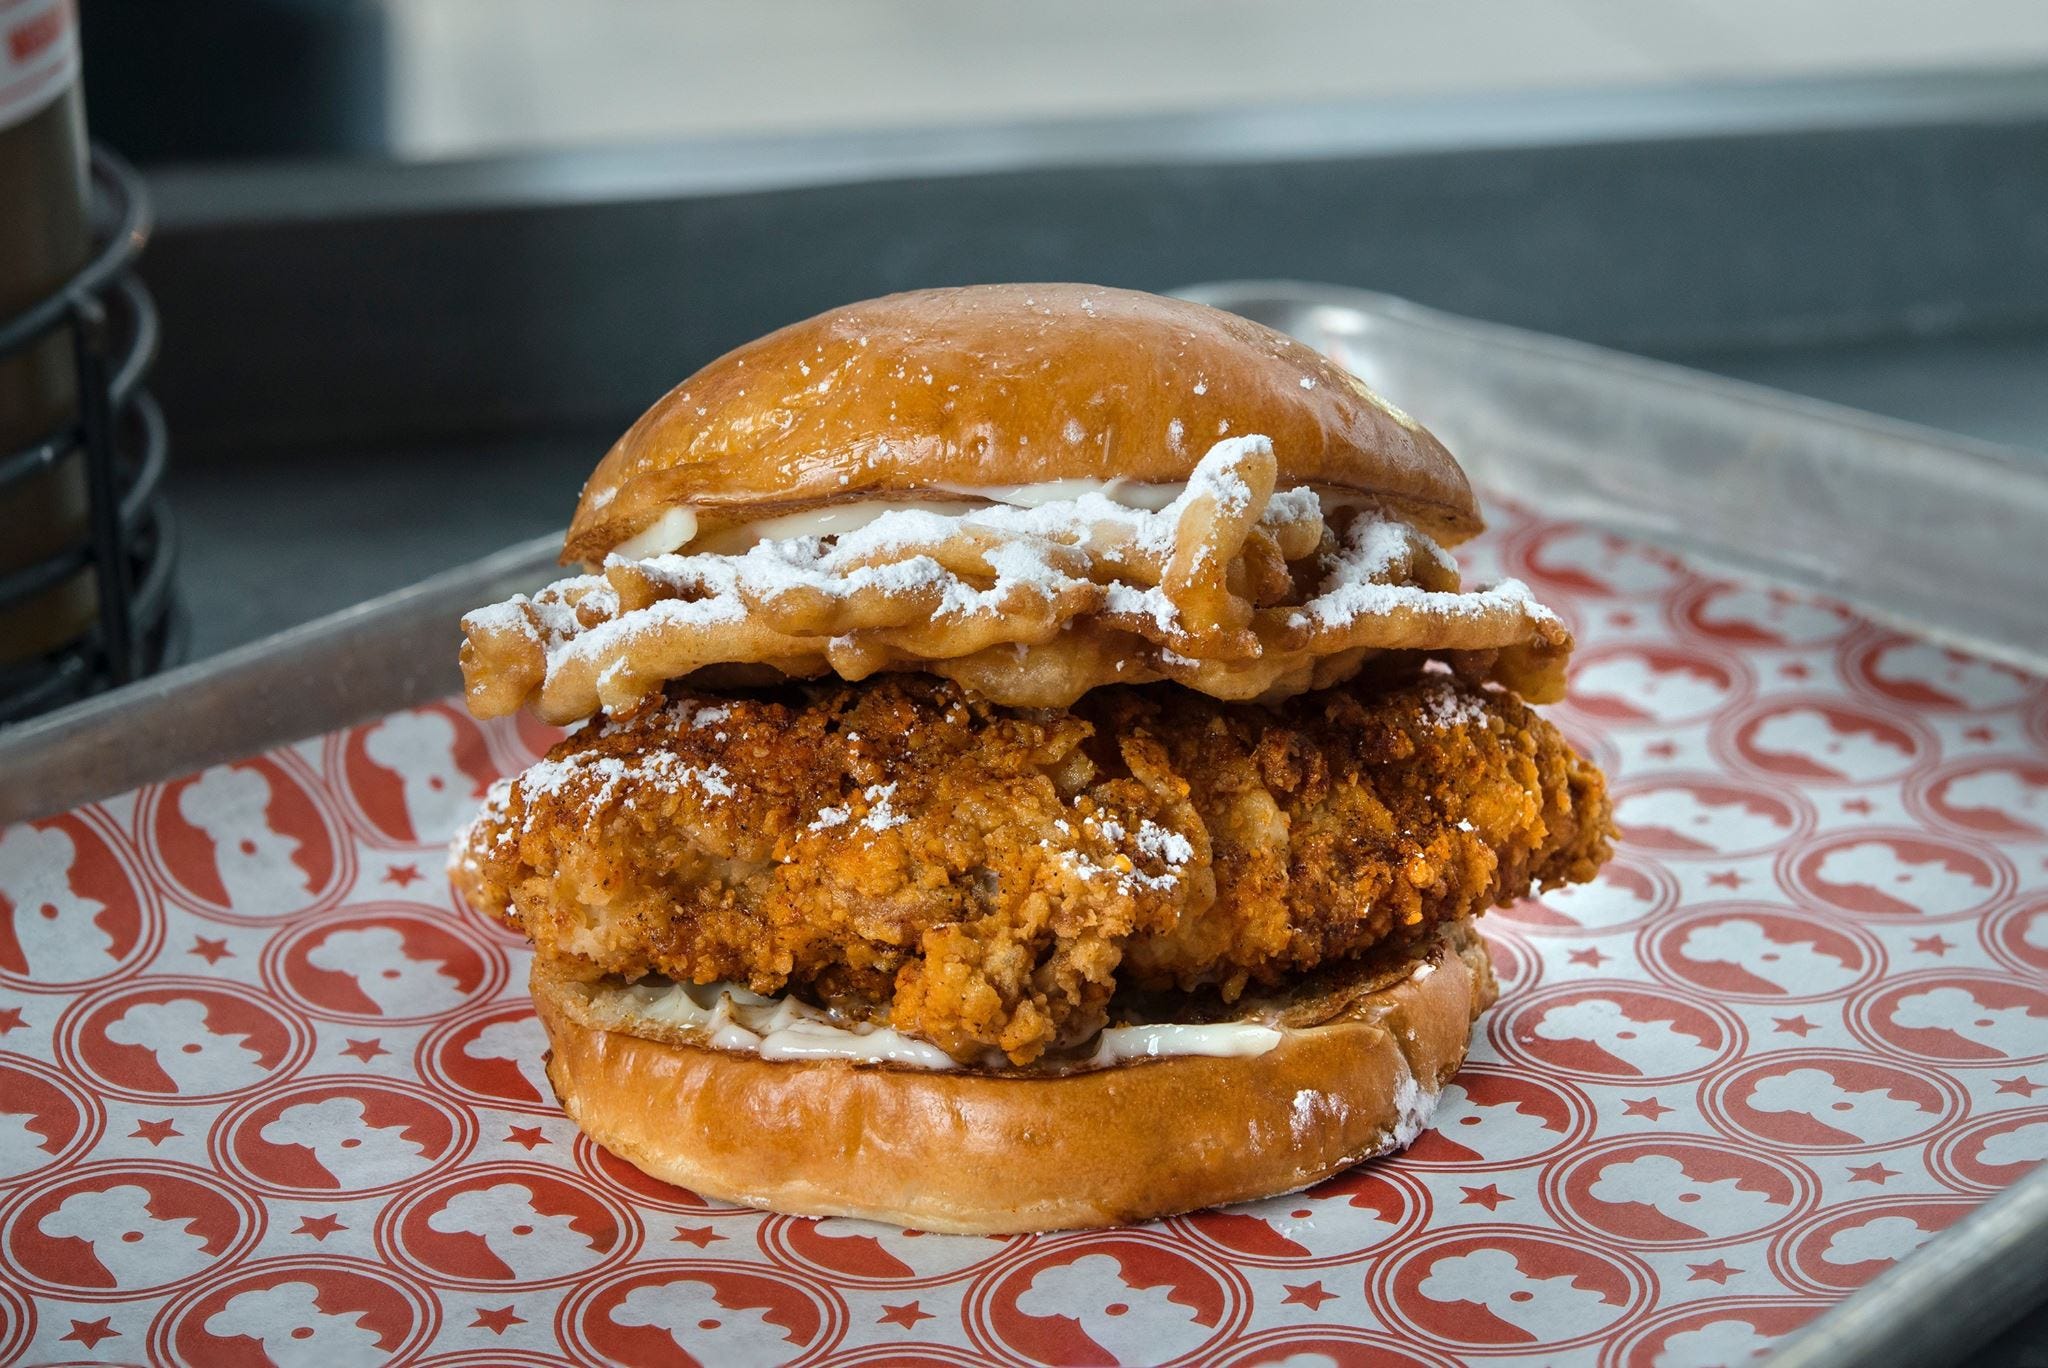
{"x":180,"y":1039}
{"x":892,"y":1356}
{"x":1624,"y":894}
{"x":413,"y":778}
{"x":519,"y":740}
{"x":45,"y":1119}
{"x":1654,"y":685}
{"x":507,"y":1225}
{"x":1618,"y":1032}
{"x":1499,"y":1117}
{"x":2018,"y":937}
{"x":17,"y":1324}
{"x":1115,"y":1299}
{"x":1327,"y":1346}
{"x":1843,"y":1249}
{"x":699,"y":1314}
{"x":1820,"y":740}
{"x":1831,"y":1102}
{"x":1507,"y":1288}
{"x":1578,"y":560}
{"x":1752,"y":615}
{"x":247,"y":842}
{"x":1923,"y":675}
{"x":298,"y":1311}
{"x":493,"y":1055}
{"x":1337,"y":1221}
{"x":72,"y":910}
{"x":1754,"y":952}
{"x":1995,"y":1153}
{"x":1899,"y":875}
{"x":2003,"y":799}
{"x":117,"y":1230}
{"x":1726,"y":1330}
{"x":843,"y":1250}
{"x":1955,"y":1017}
{"x":629,"y":1184}
{"x":1676,"y":1193}
{"x":1709,"y":817}
{"x":386,"y":963}
{"x":340,"y":1137}
{"x":1515,"y":965}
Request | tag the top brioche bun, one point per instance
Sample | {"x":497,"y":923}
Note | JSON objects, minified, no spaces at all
{"x":1005,"y":385}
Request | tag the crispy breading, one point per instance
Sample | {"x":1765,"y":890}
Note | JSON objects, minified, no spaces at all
{"x":985,"y":877}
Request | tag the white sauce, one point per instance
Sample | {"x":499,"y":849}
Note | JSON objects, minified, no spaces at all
{"x":732,"y":1018}
{"x":1229,"y":1040}
{"x":1129,"y":493}
{"x":830,"y":521}
{"x":775,"y":1028}
{"x":677,"y":528}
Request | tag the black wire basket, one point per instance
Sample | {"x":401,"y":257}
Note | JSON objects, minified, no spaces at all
{"x":130,"y":545}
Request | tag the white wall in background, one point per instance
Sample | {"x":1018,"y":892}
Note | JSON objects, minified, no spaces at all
{"x":478,"y":76}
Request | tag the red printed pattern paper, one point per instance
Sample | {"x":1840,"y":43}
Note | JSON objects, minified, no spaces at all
{"x":267,"y":1095}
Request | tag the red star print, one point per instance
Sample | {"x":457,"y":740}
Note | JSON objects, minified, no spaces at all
{"x":1661,"y":750}
{"x":1932,"y":945}
{"x":699,"y":1236}
{"x":156,"y":1132}
{"x":1717,"y":1272}
{"x":1591,"y":957}
{"x":212,"y":951}
{"x":319,"y":1227}
{"x":1312,"y":1295}
{"x":365,"y":1050}
{"x":10,"y":1018}
{"x":906,"y":1315}
{"x":1860,"y":806}
{"x":90,"y":1333}
{"x":1872,"y":1173}
{"x":527,"y":1136}
{"x":1622,"y":618}
{"x":498,"y":1321}
{"x":1726,"y":878}
{"x":1644,"y":1106}
{"x":403,"y":875}
{"x":1794,"y":669}
{"x":1489,"y":1197}
{"x":1981,"y":734}
{"x":1794,"y":1025}
{"x":2023,"y":1085}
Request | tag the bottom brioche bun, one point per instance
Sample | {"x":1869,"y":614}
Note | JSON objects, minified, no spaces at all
{"x":1364,"y":1050}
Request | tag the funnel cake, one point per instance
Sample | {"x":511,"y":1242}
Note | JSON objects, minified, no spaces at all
{"x":1232,"y":589}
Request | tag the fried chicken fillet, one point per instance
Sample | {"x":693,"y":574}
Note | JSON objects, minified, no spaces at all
{"x":986,"y":878}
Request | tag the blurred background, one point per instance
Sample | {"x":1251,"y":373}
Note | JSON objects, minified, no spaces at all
{"x":415,"y":262}
{"x":422,"y":79}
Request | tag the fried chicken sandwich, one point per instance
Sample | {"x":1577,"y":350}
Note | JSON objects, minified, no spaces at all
{"x":1034,"y":765}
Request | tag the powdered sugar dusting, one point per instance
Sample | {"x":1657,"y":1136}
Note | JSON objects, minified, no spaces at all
{"x":1444,"y":707}
{"x":881,"y":816}
{"x":597,"y":779}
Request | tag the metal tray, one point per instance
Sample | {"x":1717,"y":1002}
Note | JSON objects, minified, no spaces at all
{"x":1941,"y":537}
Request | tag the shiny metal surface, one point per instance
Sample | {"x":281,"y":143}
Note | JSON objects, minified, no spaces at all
{"x":1952,"y":1296}
{"x":1937,"y":535}
{"x":358,"y":663}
